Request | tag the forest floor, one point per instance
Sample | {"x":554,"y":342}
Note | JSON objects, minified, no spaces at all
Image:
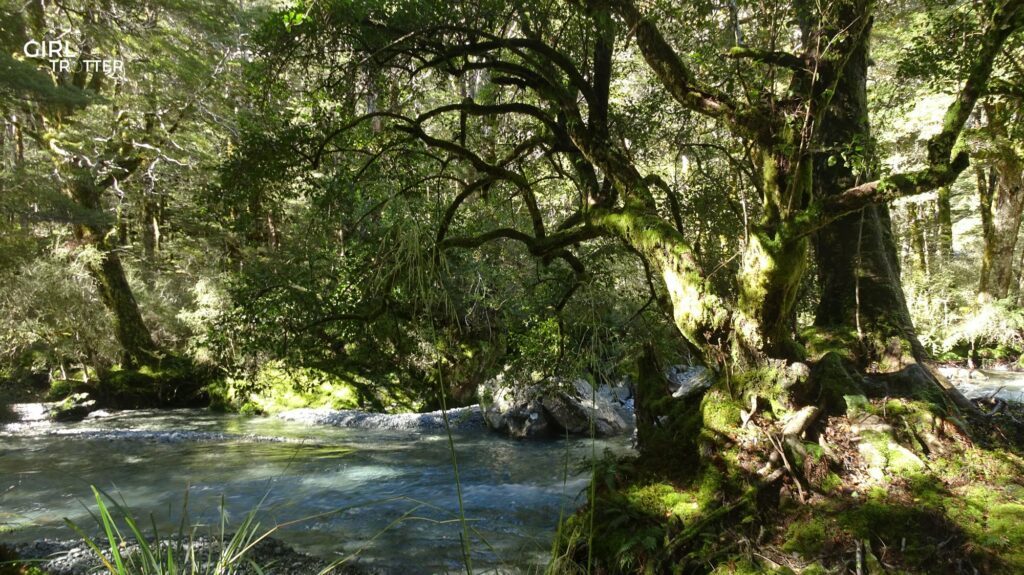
{"x":861,"y":493}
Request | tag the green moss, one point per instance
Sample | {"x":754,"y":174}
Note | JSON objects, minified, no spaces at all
{"x":1004,"y":530}
{"x":916,"y":530}
{"x":885,"y":457}
{"x":219,"y":394}
{"x":857,"y":405}
{"x":277,"y":387}
{"x":830,"y":483}
{"x":830,"y":384}
{"x":993,"y":517}
{"x":838,"y":389}
{"x":815,"y":569}
{"x":59,"y":389}
{"x":645,"y":523}
{"x":819,"y":342}
{"x":711,"y":488}
{"x":173,"y":382}
{"x":896,"y":407}
{"x":745,"y":566}
{"x":927,"y":490}
{"x":663,"y":499}
{"x":808,"y":538}
{"x":720,"y":413}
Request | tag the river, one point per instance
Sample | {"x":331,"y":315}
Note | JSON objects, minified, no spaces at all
{"x":388,"y":496}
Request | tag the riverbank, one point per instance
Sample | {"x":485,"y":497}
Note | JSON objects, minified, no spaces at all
{"x":268,"y":557}
{"x":383,"y":485}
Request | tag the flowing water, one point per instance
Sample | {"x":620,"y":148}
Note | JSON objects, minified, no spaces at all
{"x":388,"y":496}
{"x":978,"y":383}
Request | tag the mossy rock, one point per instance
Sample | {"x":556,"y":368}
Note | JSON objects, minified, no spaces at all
{"x":62,"y":388}
{"x":277,"y":387}
{"x":73,"y":408}
{"x":885,"y":457}
{"x":175,"y":382}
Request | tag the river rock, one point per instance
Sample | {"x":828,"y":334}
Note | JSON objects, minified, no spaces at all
{"x":515,"y":411}
{"x":543,"y":410}
{"x":74,"y":557}
{"x":74,"y":408}
{"x":687,"y":380}
{"x":459,"y":419}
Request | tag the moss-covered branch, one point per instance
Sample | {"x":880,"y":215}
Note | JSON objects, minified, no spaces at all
{"x":772,"y":57}
{"x":667,"y":65}
{"x":699,"y":313}
{"x":892,"y":187}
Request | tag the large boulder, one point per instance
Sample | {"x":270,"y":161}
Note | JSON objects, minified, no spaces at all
{"x":545,"y":410}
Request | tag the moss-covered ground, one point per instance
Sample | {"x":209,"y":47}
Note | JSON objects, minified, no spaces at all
{"x":888,"y":486}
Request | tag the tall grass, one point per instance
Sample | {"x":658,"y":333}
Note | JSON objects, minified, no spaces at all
{"x":123,"y":549}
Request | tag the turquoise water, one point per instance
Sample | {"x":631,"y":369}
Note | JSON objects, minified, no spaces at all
{"x":388,"y":497}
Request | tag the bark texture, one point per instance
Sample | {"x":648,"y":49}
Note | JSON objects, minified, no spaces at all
{"x":858,"y":268}
{"x":1001,"y":194}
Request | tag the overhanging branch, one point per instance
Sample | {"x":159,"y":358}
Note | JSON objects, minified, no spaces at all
{"x":893,"y":187}
{"x":773,"y":57}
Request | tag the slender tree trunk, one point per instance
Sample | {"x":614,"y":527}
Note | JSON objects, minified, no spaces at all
{"x":3,"y":142}
{"x":150,"y":227}
{"x":122,"y":225}
{"x":944,"y":215}
{"x":19,"y":154}
{"x":918,"y":243}
{"x":1002,"y":202}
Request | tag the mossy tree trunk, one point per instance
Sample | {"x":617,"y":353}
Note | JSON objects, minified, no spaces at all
{"x":1001,"y":194}
{"x":818,"y":153}
{"x":812,"y":147}
{"x":108,"y":272}
{"x":858,"y":269}
{"x":861,"y":292}
{"x":152,"y":220}
{"x":85,"y":179}
{"x":132,"y":333}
